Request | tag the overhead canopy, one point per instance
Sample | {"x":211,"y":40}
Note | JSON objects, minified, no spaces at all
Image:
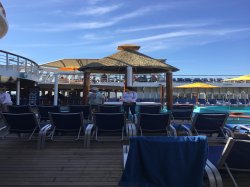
{"x":197,"y":85}
{"x":128,"y":56}
{"x":69,"y":63}
{"x":240,"y":78}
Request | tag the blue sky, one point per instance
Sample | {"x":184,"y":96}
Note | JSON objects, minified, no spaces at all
{"x":209,"y":37}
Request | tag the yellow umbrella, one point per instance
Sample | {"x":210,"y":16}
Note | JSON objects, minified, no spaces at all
{"x":197,"y":85}
{"x":240,"y":78}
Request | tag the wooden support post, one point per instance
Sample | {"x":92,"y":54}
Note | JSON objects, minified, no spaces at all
{"x":86,"y":87}
{"x":169,"y":90}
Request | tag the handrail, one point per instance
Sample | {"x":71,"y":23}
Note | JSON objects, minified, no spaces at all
{"x":19,"y":56}
{"x":14,"y":65}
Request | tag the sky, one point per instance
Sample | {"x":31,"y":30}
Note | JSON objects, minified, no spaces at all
{"x":200,"y":37}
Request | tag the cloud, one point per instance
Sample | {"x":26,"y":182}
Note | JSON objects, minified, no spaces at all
{"x":162,"y":26}
{"x":93,"y":2}
{"x":198,"y":32}
{"x":98,"y":10}
{"x":52,"y":27}
{"x":180,"y":39}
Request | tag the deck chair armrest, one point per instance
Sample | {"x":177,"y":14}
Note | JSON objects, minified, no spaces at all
{"x":228,"y":131}
{"x":213,"y":174}
{"x":125,"y":154}
{"x":245,"y":127}
{"x":189,"y":131}
{"x":131,"y":129}
{"x":87,"y":135}
{"x":172,"y":130}
{"x":2,"y":128}
{"x":42,"y":136}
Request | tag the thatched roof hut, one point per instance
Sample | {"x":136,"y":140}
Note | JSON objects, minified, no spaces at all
{"x":128,"y":56}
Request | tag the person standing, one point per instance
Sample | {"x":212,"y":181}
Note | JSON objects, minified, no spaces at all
{"x":5,"y":100}
{"x":95,"y":98}
{"x":129,"y":98}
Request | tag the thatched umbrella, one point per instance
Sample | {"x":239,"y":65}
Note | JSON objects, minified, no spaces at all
{"x":129,"y":57}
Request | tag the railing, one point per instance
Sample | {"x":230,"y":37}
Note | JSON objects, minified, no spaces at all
{"x":18,"y":66}
{"x":2,"y":11}
{"x":47,"y":77}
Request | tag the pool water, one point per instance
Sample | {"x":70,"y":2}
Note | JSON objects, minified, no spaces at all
{"x":243,"y":109}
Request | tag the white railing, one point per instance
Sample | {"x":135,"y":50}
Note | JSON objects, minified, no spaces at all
{"x":18,"y":66}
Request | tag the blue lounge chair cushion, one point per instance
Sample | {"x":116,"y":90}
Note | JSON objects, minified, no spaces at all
{"x":165,"y":161}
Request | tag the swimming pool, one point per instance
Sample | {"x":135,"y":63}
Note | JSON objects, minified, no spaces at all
{"x":243,"y":109}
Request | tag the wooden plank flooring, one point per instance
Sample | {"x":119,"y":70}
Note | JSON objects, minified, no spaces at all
{"x":68,"y":163}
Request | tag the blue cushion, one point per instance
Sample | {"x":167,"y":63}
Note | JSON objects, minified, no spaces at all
{"x":165,"y":161}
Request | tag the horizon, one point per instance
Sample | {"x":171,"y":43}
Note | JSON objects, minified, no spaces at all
{"x":197,"y":37}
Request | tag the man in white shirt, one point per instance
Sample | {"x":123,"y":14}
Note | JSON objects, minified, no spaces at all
{"x":5,"y":100}
{"x":129,"y":100}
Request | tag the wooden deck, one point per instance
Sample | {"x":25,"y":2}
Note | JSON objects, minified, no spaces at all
{"x":68,"y":163}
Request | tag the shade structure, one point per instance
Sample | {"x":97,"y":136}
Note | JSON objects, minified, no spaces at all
{"x":128,"y":56}
{"x":69,"y":68}
{"x":197,"y":85}
{"x":240,"y":78}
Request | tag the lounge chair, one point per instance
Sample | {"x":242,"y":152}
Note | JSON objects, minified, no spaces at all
{"x":212,"y":101}
{"x":66,"y":123}
{"x":243,"y":101}
{"x":109,"y":109}
{"x":202,"y":101}
{"x":155,"y":124}
{"x":209,"y":124}
{"x":85,"y":109}
{"x":150,"y":109}
{"x":181,"y":115}
{"x":168,"y":161}
{"x":43,"y":111}
{"x":19,"y":109}
{"x":233,"y":101}
{"x":234,"y":156}
{"x":238,"y":130}
{"x":109,"y":123}
{"x":23,"y":123}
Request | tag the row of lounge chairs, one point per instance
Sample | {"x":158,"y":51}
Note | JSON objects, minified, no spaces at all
{"x":212,"y":101}
{"x":178,"y":121}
